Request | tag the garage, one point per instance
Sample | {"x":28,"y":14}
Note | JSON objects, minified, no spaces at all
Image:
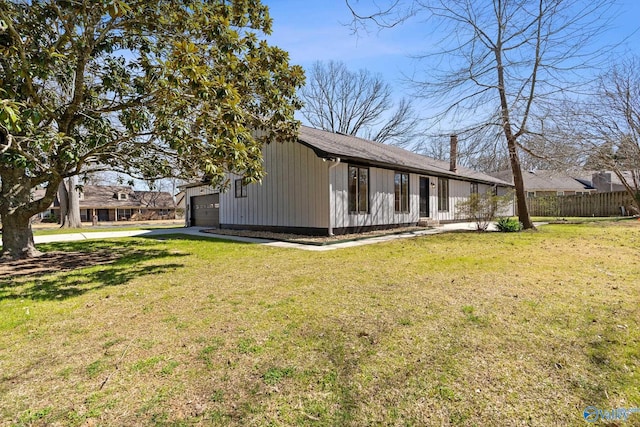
{"x":205,"y":210}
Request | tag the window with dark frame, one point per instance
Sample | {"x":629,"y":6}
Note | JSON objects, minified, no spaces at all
{"x":401,"y":192}
{"x":474,"y":188}
{"x":443,"y":194}
{"x":241,"y":188}
{"x":358,"y":189}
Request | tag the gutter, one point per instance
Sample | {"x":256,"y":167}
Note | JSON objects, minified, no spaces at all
{"x":336,"y":162}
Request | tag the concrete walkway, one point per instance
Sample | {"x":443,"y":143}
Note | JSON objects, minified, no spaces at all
{"x":197,"y":231}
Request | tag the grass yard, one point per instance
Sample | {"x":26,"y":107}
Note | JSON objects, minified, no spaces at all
{"x":464,"y":329}
{"x":50,"y":231}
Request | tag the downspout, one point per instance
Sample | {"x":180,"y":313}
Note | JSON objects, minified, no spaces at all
{"x":336,"y":162}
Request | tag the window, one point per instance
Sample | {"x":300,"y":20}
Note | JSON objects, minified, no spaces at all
{"x":122,"y":196}
{"x":358,"y":189}
{"x":241,"y":189}
{"x":401,"y":192}
{"x":474,"y":188}
{"x":443,"y":194}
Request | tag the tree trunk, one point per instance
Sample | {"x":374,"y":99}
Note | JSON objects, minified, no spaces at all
{"x":16,"y":209}
{"x":512,"y":143}
{"x":62,"y":200}
{"x":521,"y":195}
{"x":632,"y":191}
{"x":69,"y":203}
{"x":17,"y":236}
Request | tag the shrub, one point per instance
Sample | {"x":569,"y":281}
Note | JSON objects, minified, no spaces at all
{"x":483,"y":208}
{"x":509,"y":225}
{"x":50,"y":219}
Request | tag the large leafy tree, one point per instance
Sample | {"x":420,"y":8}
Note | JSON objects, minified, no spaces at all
{"x":134,"y":86}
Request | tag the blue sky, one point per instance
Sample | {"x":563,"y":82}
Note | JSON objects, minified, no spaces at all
{"x":318,"y":30}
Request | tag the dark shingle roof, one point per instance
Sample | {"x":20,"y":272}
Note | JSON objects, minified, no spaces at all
{"x":588,"y":175}
{"x":545,"y":180}
{"x":349,"y":148}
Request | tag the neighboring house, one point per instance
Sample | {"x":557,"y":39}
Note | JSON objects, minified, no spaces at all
{"x":180,"y":205}
{"x":606,"y":181}
{"x":328,"y":183}
{"x":548,"y":183}
{"x":49,"y":214}
{"x":121,"y":203}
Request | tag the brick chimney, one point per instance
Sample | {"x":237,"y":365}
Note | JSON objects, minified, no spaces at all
{"x":453,"y":154}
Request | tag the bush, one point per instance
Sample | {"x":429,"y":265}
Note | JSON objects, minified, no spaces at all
{"x":483,"y":208}
{"x":509,"y":225}
{"x":52,"y":219}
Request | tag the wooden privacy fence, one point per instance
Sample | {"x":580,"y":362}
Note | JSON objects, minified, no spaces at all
{"x":594,"y":204}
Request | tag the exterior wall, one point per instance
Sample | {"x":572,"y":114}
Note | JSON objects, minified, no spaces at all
{"x":511,"y":209}
{"x":381,"y":199}
{"x":294,"y":193}
{"x":460,"y":191}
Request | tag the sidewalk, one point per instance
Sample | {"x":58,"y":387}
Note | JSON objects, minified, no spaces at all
{"x":197,"y":231}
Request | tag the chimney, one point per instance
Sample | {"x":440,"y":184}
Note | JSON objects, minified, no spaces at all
{"x":453,"y":155}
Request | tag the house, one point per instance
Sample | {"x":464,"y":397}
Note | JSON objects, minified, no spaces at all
{"x":50,"y":215}
{"x":121,"y":203}
{"x":329,"y":183}
{"x":608,"y":181}
{"x":548,"y":183}
{"x":180,"y":205}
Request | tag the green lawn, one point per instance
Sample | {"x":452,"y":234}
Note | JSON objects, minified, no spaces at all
{"x":580,"y":219}
{"x":98,"y":229}
{"x":466,"y":329}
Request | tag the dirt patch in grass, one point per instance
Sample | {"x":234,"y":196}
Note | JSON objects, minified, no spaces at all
{"x":54,"y":262}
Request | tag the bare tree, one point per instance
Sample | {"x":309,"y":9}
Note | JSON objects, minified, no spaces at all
{"x":481,"y":150}
{"x":609,"y":125}
{"x":485,"y":149}
{"x":357,"y":103}
{"x":500,"y":62}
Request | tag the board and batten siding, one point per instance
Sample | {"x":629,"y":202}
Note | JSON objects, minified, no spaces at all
{"x":460,"y":191}
{"x":381,"y":199}
{"x":293,"y":193}
{"x":511,"y":209}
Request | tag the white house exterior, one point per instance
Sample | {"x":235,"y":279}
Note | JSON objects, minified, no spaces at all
{"x":327,"y":183}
